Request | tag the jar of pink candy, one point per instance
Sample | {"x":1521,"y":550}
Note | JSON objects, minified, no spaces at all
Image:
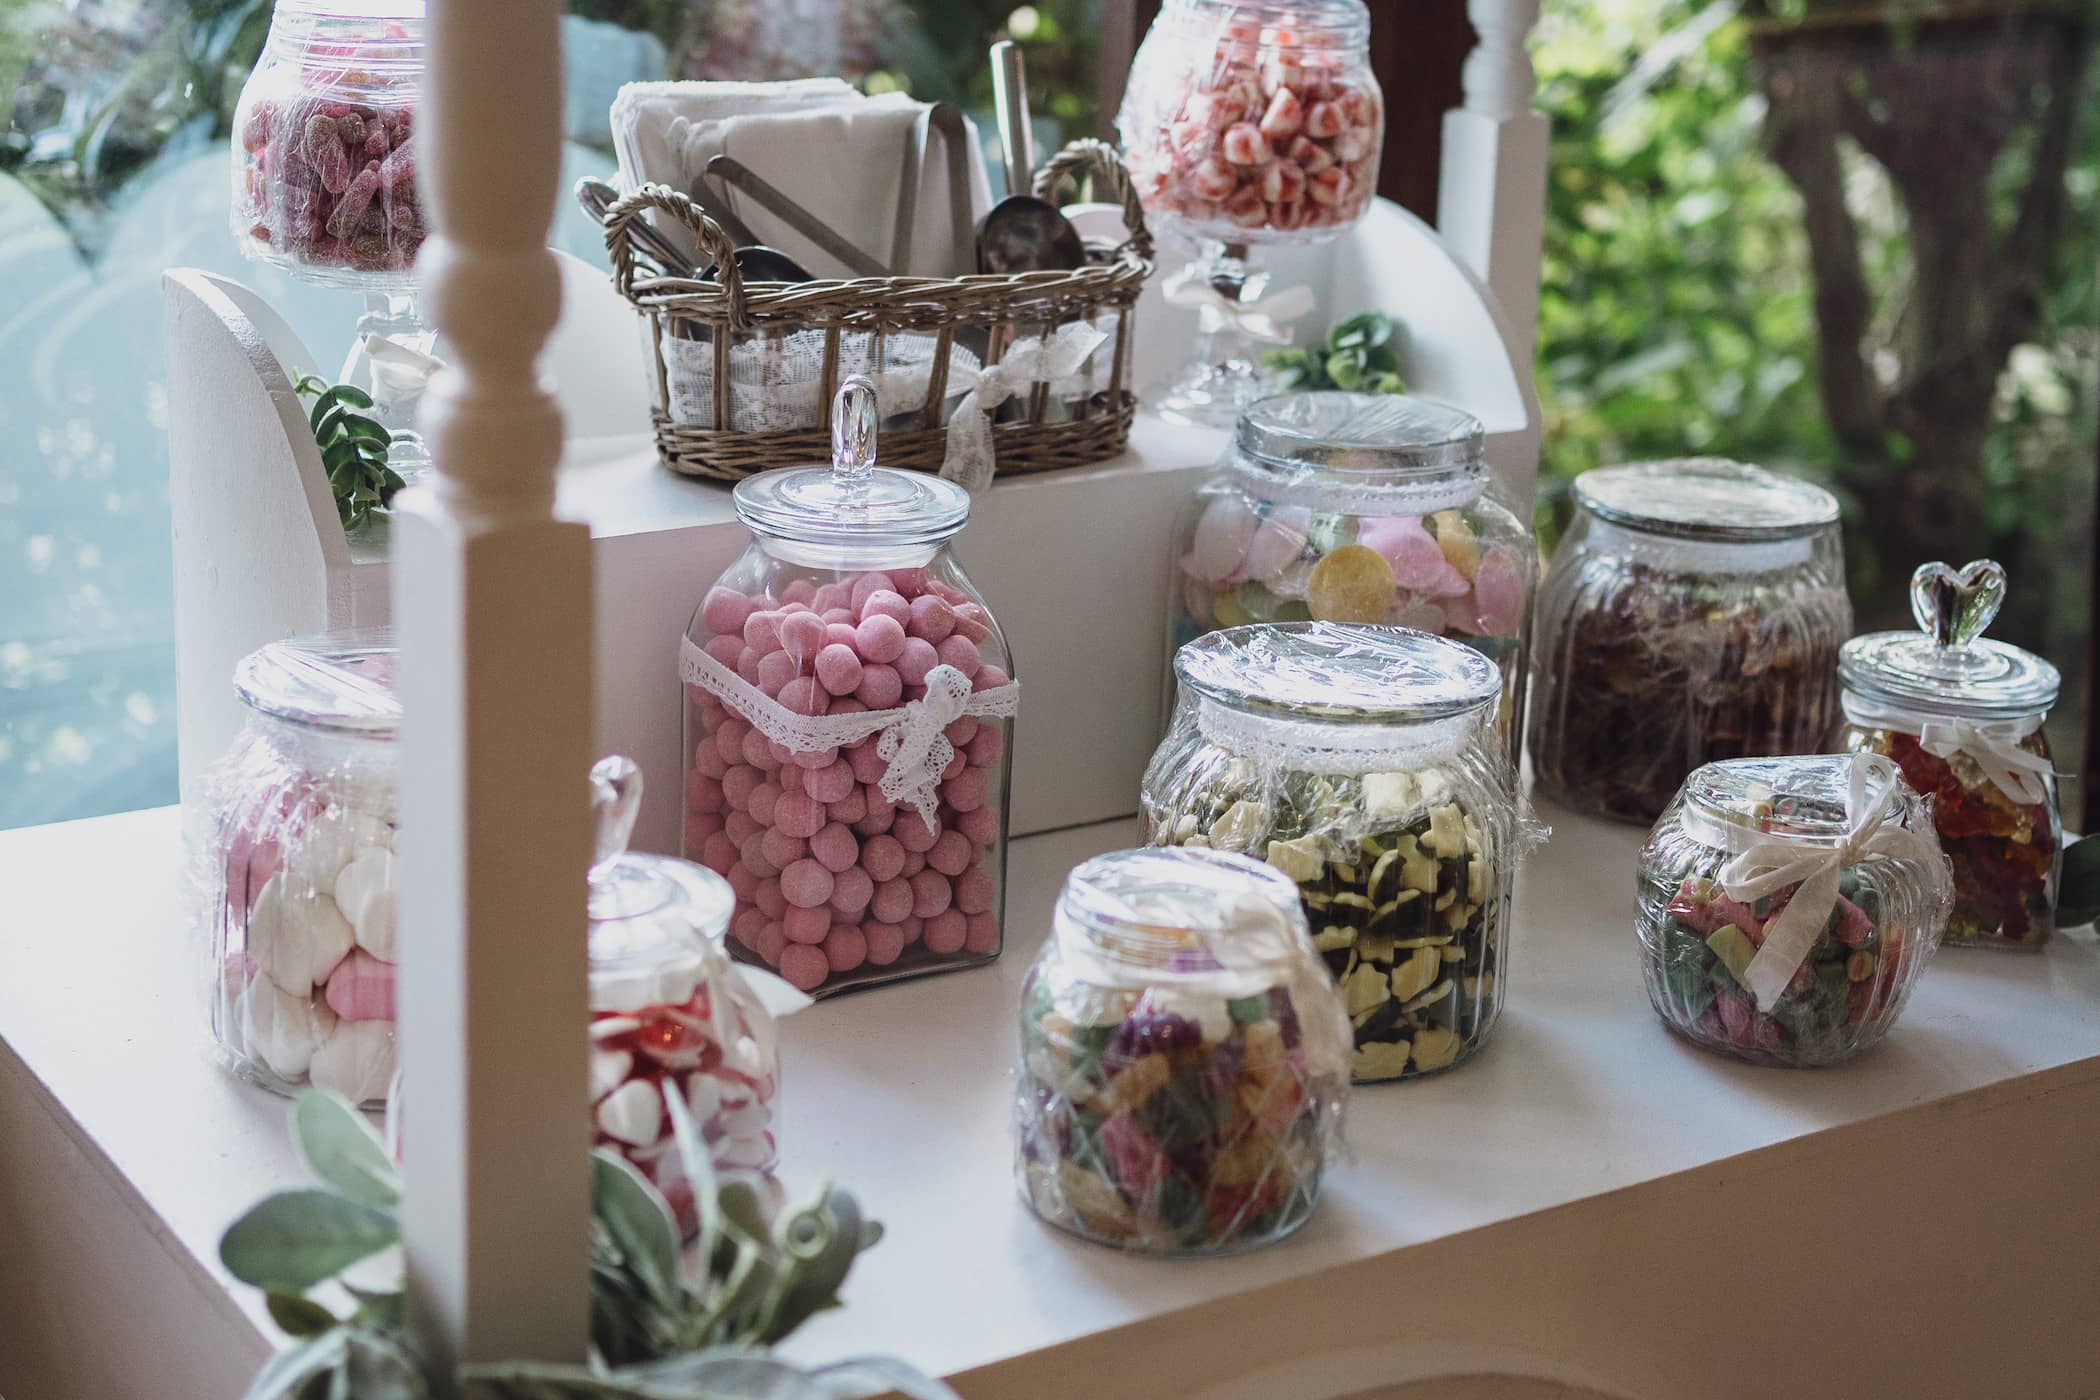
{"x":1248,"y":122}
{"x":1365,"y":508}
{"x":849,"y":700}
{"x":293,"y":858}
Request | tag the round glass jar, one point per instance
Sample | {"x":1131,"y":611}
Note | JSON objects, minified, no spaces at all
{"x":1359,"y":508}
{"x":1962,"y":717}
{"x":1361,"y":763}
{"x":1787,"y":905}
{"x":670,"y":1014}
{"x":1184,"y":1064}
{"x":849,"y":701}
{"x":294,"y":867}
{"x":324,"y":163}
{"x":1692,"y":613}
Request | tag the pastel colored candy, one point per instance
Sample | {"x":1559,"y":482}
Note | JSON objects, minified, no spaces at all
{"x":1223,"y":535}
{"x":281,"y":1030}
{"x":362,"y":988}
{"x":632,"y":1113}
{"x":364,"y":893}
{"x":297,"y":939}
{"x":356,"y":1060}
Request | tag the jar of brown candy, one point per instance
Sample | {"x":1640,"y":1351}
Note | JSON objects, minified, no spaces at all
{"x":1962,"y":716}
{"x":1692,"y":613}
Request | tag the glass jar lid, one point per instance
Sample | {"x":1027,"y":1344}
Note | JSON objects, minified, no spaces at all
{"x":853,"y":501}
{"x":1281,"y":24}
{"x":1947,"y":666}
{"x":1182,"y":913}
{"x":656,"y":922}
{"x":1339,"y":671}
{"x":369,"y":38}
{"x":340,"y":681}
{"x":1327,"y":430}
{"x":1801,"y":797}
{"x":1706,"y":498}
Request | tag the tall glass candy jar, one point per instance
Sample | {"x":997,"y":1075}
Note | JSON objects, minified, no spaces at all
{"x":1362,"y":763}
{"x":1692,"y":613}
{"x":849,"y":702}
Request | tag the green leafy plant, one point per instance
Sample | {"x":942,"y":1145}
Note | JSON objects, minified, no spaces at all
{"x":666,"y":1323}
{"x":1359,"y":355}
{"x":353,"y":449}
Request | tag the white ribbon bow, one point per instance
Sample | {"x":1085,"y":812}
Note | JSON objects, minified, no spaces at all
{"x":1767,"y":862}
{"x":1266,"y":319}
{"x":917,"y":751}
{"x":970,"y":456}
{"x":1993,"y":745}
{"x":399,"y":374}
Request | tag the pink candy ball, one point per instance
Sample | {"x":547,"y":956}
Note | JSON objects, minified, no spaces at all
{"x":962,"y":731}
{"x":781,"y":849}
{"x":702,"y":793}
{"x":957,"y":761}
{"x":866,"y":586}
{"x":754,"y":860}
{"x":708,"y":760}
{"x":718,"y":853}
{"x":724,"y":610}
{"x":932,"y":618}
{"x":891,"y":902}
{"x":804,"y":967}
{"x":829,"y":596}
{"x":981,"y":826}
{"x":770,"y":901}
{"x":946,"y":932}
{"x":914,"y":862}
{"x":917,"y":658}
{"x":747,"y":664}
{"x":806,"y":925}
{"x":841,"y":634}
{"x":846,"y":947}
{"x":966,"y":791}
{"x":804,"y":696}
{"x":961,"y":653}
{"x":989,"y":677}
{"x":885,"y":943}
{"x":758,"y":752}
{"x":742,"y":879}
{"x":772,"y":941}
{"x":887,"y":603}
{"x":975,"y":891}
{"x":880,"y":686}
{"x":851,"y":891}
{"x":726,"y":649}
{"x":983,"y":936}
{"x":762,"y":631}
{"x":930,"y":893}
{"x":806,"y":884}
{"x":882,"y":857}
{"x":746,"y":926}
{"x":830,"y":784}
{"x":877,"y":822}
{"x":802,"y":635}
{"x":740,"y":827}
{"x":799,"y":814}
{"x":866,"y":764}
{"x":879,"y":637}
{"x":973,"y":622}
{"x":838,"y":669}
{"x":701,"y":825}
{"x":738,"y":783}
{"x":912,"y":929}
{"x":835,"y":849}
{"x":850,"y":808}
{"x":813,"y":758}
{"x":799,"y":590}
{"x":729,"y":740}
{"x":911,"y":829}
{"x":951,"y":853}
{"x":760,"y":803}
{"x":988,"y":747}
{"x":776,"y":669}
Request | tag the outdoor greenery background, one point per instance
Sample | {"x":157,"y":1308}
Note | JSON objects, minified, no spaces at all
{"x":1677,"y":312}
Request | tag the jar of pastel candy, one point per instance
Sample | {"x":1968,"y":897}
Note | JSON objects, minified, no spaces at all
{"x":1359,"y":508}
{"x":671,"y":1016}
{"x":324,"y":155}
{"x":849,"y":700}
{"x":1184,"y":1064}
{"x":1961,"y":716}
{"x":1362,"y":763}
{"x":293,"y":861}
{"x":1787,"y":905}
{"x":1692,"y":613}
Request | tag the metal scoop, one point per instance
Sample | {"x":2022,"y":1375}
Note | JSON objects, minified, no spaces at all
{"x":1022,"y":233}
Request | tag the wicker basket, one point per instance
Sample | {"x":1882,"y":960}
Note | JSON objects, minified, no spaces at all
{"x":991,"y":311}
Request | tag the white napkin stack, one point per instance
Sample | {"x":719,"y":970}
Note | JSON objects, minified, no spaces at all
{"x":832,"y":149}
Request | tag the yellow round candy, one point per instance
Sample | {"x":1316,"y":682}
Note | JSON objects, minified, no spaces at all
{"x":1352,"y":584}
{"x":1460,"y":545}
{"x":1228,"y":612}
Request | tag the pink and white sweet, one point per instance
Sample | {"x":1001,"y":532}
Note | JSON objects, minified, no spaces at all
{"x":836,"y":882}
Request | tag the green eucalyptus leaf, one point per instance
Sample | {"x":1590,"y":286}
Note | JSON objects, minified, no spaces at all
{"x":341,"y":1147}
{"x":639,"y":1223}
{"x":316,"y":414}
{"x":297,"y":1315}
{"x":1344,"y":371}
{"x":352,"y":395}
{"x":294,"y":1239}
{"x":357,"y":425}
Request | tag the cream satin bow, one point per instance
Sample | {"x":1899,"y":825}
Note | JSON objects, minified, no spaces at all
{"x":916,"y":750}
{"x":970,"y":456}
{"x":399,"y":374}
{"x":1266,"y":319}
{"x":1767,"y":862}
{"x":1993,"y":745}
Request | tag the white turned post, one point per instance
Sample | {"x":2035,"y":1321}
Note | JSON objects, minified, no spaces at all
{"x":493,"y":611}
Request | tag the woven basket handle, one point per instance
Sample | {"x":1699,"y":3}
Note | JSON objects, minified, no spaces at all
{"x":1085,"y":154}
{"x":715,"y":245}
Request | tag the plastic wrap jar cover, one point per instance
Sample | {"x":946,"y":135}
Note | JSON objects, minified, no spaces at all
{"x":324,"y":158}
{"x":1359,"y":508}
{"x":293,"y":859}
{"x":849,"y":701}
{"x":1962,"y":717}
{"x":1361,"y":763}
{"x":1184,"y":1065}
{"x":1787,"y":905}
{"x":1254,"y":122}
{"x":1692,"y":613}
{"x":671,"y":1016}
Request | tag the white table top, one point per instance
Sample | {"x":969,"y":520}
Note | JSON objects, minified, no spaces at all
{"x":902,"y":1094}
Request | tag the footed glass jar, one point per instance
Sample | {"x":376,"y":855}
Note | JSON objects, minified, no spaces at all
{"x":1962,"y":717}
{"x":849,"y":700}
{"x":1787,"y":905}
{"x":1359,"y":508}
{"x":1184,"y":1065}
{"x":293,"y":859}
{"x":1692,"y":613}
{"x":1361,"y":763}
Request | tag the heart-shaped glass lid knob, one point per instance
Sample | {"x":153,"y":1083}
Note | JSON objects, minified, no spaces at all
{"x":1956,"y":606}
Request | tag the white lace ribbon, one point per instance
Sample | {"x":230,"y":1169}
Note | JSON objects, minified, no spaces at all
{"x":1266,"y":319}
{"x":912,"y":742}
{"x":1993,"y":745}
{"x":970,"y":456}
{"x":1766,"y":862}
{"x":1317,"y":746}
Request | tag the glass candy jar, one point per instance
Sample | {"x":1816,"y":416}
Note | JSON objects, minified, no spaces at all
{"x":1361,"y":763}
{"x":670,"y":1014}
{"x":294,"y":866}
{"x":1359,"y":508}
{"x":1962,"y":717}
{"x":1693,"y":612}
{"x":1787,"y":905}
{"x":1184,"y":1063}
{"x":1247,"y":123}
{"x":849,"y":700}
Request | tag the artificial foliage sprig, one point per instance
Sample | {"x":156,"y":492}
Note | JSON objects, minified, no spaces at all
{"x":1358,"y":355}
{"x":353,"y":449}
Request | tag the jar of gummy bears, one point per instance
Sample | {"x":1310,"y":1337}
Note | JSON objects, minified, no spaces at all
{"x":1184,"y":1063}
{"x":1961,"y":716}
{"x":1359,"y":508}
{"x":294,"y":869}
{"x":849,"y":702}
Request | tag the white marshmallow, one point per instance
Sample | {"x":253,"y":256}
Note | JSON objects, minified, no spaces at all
{"x":364,"y":891}
{"x":746,"y":1119}
{"x":282,"y":1030}
{"x":356,"y":1060}
{"x":609,"y":1070}
{"x":632,"y":1113}
{"x":747,"y":1153}
{"x":296,"y":938}
{"x":703,"y":1095}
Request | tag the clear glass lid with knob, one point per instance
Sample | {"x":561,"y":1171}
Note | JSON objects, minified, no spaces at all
{"x":1948,"y":666}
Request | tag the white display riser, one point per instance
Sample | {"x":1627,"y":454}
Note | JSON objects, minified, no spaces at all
{"x":1074,"y":563}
